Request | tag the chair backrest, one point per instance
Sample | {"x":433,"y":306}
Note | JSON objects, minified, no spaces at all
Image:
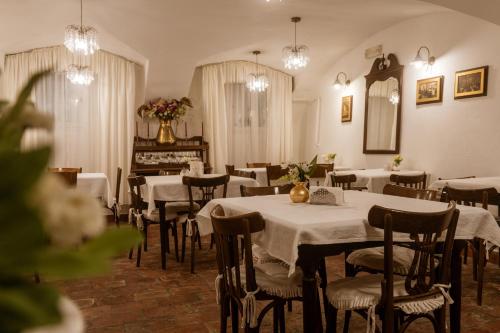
{"x":207,"y":186}
{"x":466,"y":177}
{"x":408,"y":192}
{"x":320,"y":172}
{"x":227,"y":232}
{"x":252,"y":191}
{"x":471,"y":197}
{"x":275,"y":172}
{"x":77,"y":170}
{"x":240,"y":173}
{"x":135,"y":182}
{"x":414,"y":181}
{"x":344,"y":181}
{"x":258,"y":165}
{"x":69,"y":177}
{"x":424,"y":229}
{"x":118,"y":185}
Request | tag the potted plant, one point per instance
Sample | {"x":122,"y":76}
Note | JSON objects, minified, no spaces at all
{"x":396,"y":162}
{"x":329,"y":158}
{"x":47,"y":229}
{"x":299,"y":175}
{"x":165,"y":110}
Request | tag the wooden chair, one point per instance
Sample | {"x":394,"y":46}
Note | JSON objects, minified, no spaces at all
{"x":77,"y":170}
{"x":408,"y":192}
{"x":472,"y":197}
{"x":116,"y":200}
{"x":239,"y":286}
{"x":372,"y":259}
{"x":320,"y":173}
{"x":416,"y":181}
{"x":207,"y":188}
{"x":258,"y":165}
{"x":251,"y":191}
{"x":69,"y":177}
{"x":239,"y":173}
{"x":141,"y":220}
{"x":346,"y":181}
{"x":274,"y":173}
{"x":400,"y":300}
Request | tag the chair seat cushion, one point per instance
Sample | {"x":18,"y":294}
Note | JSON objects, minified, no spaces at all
{"x":373,"y":258}
{"x":180,"y":207}
{"x":155,"y":215}
{"x":261,"y":256}
{"x":272,"y":278}
{"x":365,"y":291}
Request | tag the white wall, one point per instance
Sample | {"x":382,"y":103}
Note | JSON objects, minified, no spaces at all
{"x":450,"y":139}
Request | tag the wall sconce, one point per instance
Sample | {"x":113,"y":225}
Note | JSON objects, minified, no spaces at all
{"x":341,"y":81}
{"x":420,"y":60}
{"x":394,"y":98}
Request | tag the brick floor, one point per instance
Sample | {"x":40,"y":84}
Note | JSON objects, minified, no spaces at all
{"x":147,"y":299}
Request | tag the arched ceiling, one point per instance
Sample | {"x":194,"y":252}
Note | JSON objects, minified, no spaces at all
{"x":172,"y":37}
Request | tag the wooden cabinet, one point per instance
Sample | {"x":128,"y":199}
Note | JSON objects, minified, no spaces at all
{"x":148,"y":157}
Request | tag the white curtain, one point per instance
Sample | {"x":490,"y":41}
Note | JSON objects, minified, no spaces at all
{"x":243,"y":126}
{"x":94,"y":125}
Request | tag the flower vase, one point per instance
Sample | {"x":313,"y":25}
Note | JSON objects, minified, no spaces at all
{"x":299,"y":193}
{"x":165,"y":134}
{"x":395,"y":167}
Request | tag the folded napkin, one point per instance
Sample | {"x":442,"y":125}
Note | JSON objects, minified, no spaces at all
{"x":196,"y":168}
{"x":322,"y":195}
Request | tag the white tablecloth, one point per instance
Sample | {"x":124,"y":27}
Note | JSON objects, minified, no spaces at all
{"x":171,"y":188}
{"x":468,"y":183}
{"x":95,"y":184}
{"x":261,"y":174}
{"x":288,"y":225}
{"x":374,"y":179}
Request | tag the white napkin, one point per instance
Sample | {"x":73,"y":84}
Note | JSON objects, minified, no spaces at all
{"x":323,"y":195}
{"x":196,"y":168}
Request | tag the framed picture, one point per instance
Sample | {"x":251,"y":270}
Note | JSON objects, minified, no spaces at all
{"x":471,"y":82}
{"x":430,"y":90}
{"x":346,"y":109}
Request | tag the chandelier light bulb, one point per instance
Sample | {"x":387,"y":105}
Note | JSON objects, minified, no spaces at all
{"x":295,"y":56}
{"x":80,"y":75}
{"x":394,"y":98}
{"x":257,"y":82}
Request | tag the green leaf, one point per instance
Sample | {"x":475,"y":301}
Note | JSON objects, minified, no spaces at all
{"x":24,"y":305}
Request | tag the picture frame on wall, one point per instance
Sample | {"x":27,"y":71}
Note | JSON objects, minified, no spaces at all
{"x":430,"y":90}
{"x":471,"y":82}
{"x":346,"y":109}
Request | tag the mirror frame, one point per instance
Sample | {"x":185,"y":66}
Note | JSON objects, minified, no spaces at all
{"x":381,"y":72}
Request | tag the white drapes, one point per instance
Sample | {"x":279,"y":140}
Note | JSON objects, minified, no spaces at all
{"x":94,"y":125}
{"x":245,"y":127}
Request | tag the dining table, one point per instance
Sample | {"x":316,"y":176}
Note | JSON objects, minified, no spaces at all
{"x":261,"y":173}
{"x":159,"y":190}
{"x":373,"y":179}
{"x":302,"y":234}
{"x":95,"y":184}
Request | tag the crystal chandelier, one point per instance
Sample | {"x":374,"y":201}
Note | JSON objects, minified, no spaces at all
{"x":81,"y":39}
{"x":295,"y":56}
{"x":257,"y":82}
{"x":80,"y":75}
{"x":394,"y":98}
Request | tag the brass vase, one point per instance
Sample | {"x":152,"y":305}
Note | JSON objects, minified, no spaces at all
{"x":299,"y":193}
{"x":165,"y":134}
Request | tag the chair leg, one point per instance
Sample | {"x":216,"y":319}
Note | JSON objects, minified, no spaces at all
{"x":138,"y":261}
{"x":176,"y":240}
{"x":235,"y":315}
{"x":193,"y":247}
{"x":440,"y":317}
{"x":331,"y":318}
{"x":167,"y":239}
{"x":145,"y":233}
{"x":475,"y":256}
{"x":290,"y":306}
{"x":130,"y":253}
{"x":183,"y":245}
{"x":198,"y":238}
{"x":480,"y":271}
{"x":224,"y":309}
{"x":347,"y":321}
{"x":466,"y":251}
{"x":276,"y":317}
{"x":282,"y":317}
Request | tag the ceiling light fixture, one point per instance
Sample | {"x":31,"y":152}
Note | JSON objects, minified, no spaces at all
{"x":341,"y":81}
{"x":81,"y":39}
{"x":421,"y":61}
{"x":257,"y":82}
{"x":295,"y":57}
{"x":80,"y":75}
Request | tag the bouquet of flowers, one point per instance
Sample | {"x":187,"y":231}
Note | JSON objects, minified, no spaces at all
{"x":397,"y":160}
{"x":300,"y":172}
{"x":47,"y":228}
{"x":329,"y":158}
{"x":165,"y":109}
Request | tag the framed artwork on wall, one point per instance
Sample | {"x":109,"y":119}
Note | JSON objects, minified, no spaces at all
{"x":430,"y":90}
{"x":471,"y":82}
{"x":346,"y":109}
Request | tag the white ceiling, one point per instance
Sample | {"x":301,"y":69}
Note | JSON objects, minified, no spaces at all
{"x":172,"y":37}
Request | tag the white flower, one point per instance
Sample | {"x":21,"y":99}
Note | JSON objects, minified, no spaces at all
{"x":68,"y":215}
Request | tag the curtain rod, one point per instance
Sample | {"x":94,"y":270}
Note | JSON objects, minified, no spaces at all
{"x":57,"y":46}
{"x":249,"y":62}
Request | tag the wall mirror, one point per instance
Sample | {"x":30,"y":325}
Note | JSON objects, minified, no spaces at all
{"x":383,"y":106}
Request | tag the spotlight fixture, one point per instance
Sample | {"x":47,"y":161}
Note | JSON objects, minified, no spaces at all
{"x":295,"y":56}
{"x":257,"y":82}
{"x":394,"y":98}
{"x":341,"y":81}
{"x":420,"y":60}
